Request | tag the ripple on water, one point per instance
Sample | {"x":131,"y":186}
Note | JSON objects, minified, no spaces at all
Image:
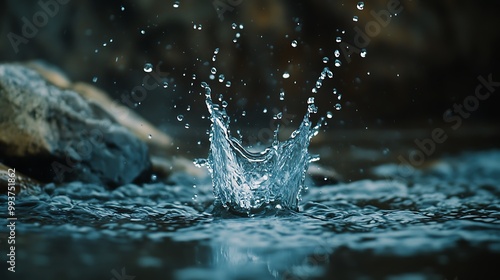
{"x":451,"y":217}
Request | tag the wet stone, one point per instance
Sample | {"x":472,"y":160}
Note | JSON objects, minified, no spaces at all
{"x":54,"y":134}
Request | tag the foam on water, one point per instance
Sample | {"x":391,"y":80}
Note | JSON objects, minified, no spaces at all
{"x":247,"y":182}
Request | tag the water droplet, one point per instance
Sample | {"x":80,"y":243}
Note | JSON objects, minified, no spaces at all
{"x":279,"y":115}
{"x":228,"y":84}
{"x":122,"y":8}
{"x":241,"y":26}
{"x":355,"y":18}
{"x":334,"y":90}
{"x":94,"y":79}
{"x":244,"y":113}
{"x":286,"y":75}
{"x":165,"y":84}
{"x":336,"y":53}
{"x":338,"y":39}
{"x":338,"y":106}
{"x":148,"y":67}
{"x":264,"y":111}
{"x":176,"y":4}
{"x":150,"y":136}
{"x":339,"y":96}
{"x":153,"y":177}
{"x":361,"y":5}
{"x":310,"y":100}
{"x":221,"y":78}
{"x":312,"y":109}
{"x":186,"y":126}
{"x":180,"y":118}
{"x":325,"y":59}
{"x":329,"y":115}
{"x":282,"y":95}
{"x":188,"y":108}
{"x":233,"y":25}
{"x":216,"y":51}
{"x":213,"y":70}
{"x":294,"y":43}
{"x":224,"y":104}
{"x":337,"y":63}
{"x":363,"y":53}
{"x":143,"y":32}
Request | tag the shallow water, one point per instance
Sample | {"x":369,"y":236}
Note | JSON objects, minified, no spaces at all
{"x":443,"y":223}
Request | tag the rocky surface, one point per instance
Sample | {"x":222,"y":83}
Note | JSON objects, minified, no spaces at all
{"x":11,"y":177}
{"x":55,"y":134}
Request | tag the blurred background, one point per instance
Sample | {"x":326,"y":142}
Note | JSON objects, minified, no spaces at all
{"x":417,"y":66}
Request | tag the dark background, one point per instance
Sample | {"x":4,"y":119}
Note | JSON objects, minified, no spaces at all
{"x":427,"y":59}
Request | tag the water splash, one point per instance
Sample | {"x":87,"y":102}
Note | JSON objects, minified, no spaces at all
{"x":246,"y":182}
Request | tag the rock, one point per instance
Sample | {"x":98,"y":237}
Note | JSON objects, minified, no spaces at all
{"x":159,"y":143}
{"x":54,"y":134}
{"x":21,"y":181}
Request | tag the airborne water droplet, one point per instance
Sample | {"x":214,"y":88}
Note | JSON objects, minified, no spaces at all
{"x":228,"y":84}
{"x":337,"y":63}
{"x":286,"y":75}
{"x":361,"y":5}
{"x":221,"y":78}
{"x":294,"y":43}
{"x":355,"y":18}
{"x":180,"y":118}
{"x":338,"y":106}
{"x":148,"y":67}
{"x":363,"y":53}
{"x":325,"y":59}
{"x":150,"y":136}
{"x":338,"y":39}
{"x":337,"y":53}
{"x":329,"y":115}
{"x":213,"y":70}
{"x":282,"y":95}
{"x":176,"y":4}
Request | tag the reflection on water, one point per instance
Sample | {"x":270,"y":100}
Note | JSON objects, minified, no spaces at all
{"x":440,"y":224}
